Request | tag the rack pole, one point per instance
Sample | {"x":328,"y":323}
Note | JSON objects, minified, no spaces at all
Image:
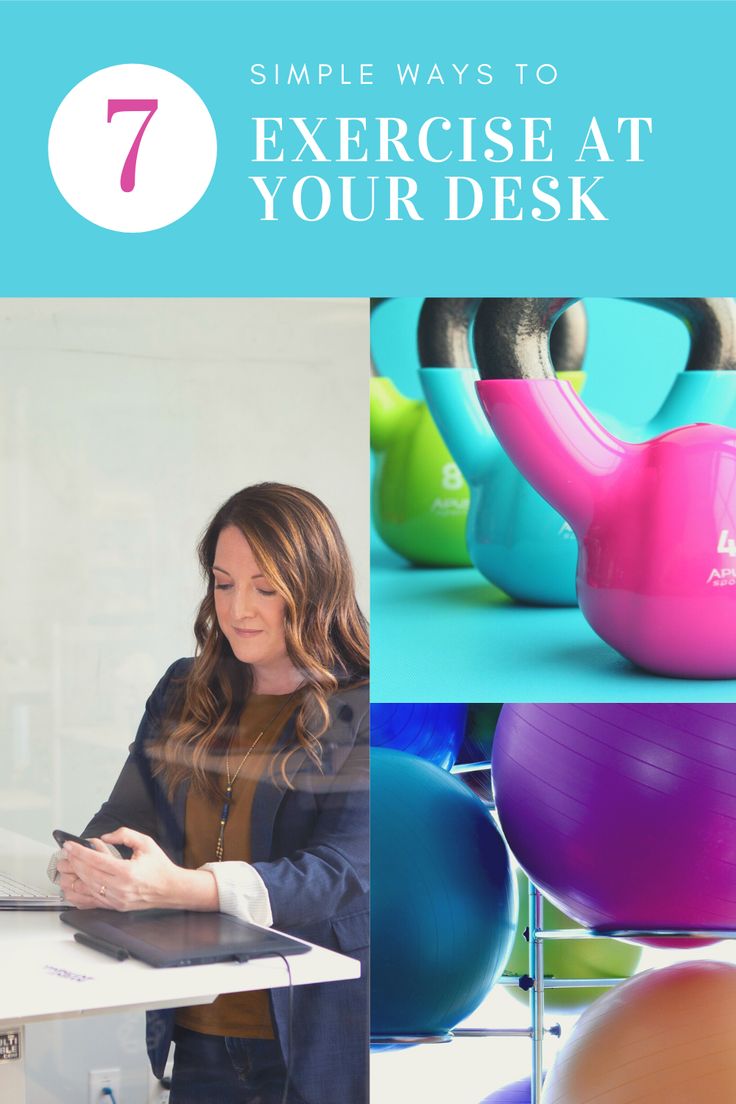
{"x":536,"y":972}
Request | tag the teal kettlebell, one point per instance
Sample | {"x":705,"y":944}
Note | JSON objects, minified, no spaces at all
{"x":705,"y":390}
{"x":420,"y":499}
{"x":515,"y":539}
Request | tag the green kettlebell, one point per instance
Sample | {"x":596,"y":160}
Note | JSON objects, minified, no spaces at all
{"x":420,"y":498}
{"x":574,"y":958}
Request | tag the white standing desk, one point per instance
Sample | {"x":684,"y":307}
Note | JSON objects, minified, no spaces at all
{"x":45,"y":973}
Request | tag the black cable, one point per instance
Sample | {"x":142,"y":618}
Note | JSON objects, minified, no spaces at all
{"x":289,"y":1035}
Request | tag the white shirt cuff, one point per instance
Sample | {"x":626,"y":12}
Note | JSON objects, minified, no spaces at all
{"x":242,"y":892}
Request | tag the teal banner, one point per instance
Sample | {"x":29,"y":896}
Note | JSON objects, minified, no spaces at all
{"x":213,"y":149}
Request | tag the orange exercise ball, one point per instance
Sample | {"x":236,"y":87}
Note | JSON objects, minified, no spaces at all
{"x":664,"y":1037}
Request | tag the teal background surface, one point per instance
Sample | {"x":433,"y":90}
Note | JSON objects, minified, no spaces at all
{"x":447,"y":634}
{"x":670,"y":217}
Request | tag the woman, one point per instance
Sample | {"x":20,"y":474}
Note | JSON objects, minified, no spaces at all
{"x":246,"y":791}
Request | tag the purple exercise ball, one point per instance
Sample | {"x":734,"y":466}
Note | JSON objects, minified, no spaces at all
{"x":623,"y":814}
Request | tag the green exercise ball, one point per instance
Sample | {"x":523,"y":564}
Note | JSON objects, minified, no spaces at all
{"x":578,"y":958}
{"x":477,"y":746}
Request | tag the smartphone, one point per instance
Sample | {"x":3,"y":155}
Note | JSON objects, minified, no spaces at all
{"x":62,"y":837}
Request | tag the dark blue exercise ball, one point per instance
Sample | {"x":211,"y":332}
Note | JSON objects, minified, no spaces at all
{"x":443,"y":898}
{"x":433,"y":732}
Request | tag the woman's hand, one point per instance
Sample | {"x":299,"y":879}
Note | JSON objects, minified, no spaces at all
{"x":75,"y":889}
{"x":149,"y":879}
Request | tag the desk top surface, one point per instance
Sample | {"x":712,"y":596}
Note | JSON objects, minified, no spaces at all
{"x":46,"y":973}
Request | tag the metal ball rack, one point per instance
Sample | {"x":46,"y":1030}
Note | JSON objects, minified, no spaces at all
{"x":536,"y":935}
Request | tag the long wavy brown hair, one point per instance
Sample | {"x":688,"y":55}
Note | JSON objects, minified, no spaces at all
{"x":300,"y":550}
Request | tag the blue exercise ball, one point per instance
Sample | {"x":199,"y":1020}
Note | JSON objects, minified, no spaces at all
{"x":443,"y":898}
{"x":433,"y":732}
{"x":518,"y":1093}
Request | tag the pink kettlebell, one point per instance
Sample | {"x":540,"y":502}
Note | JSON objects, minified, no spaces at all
{"x":655,"y":521}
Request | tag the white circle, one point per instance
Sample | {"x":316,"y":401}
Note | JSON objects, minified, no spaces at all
{"x":175,"y":158}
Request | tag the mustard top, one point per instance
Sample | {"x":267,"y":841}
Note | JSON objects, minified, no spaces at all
{"x":241,"y":1015}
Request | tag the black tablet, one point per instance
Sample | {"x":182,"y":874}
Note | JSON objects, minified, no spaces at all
{"x":173,"y":937}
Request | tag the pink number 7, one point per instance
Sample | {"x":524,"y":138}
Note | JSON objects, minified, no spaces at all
{"x":127,"y":177}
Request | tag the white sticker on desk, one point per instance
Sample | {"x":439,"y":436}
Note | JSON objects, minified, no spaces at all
{"x":9,"y":1046}
{"x":68,"y":975}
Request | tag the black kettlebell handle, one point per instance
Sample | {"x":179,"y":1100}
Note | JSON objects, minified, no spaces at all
{"x":375,"y":303}
{"x":444,"y":334}
{"x":512,"y":336}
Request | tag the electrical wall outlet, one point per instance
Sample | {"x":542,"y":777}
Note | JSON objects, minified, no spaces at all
{"x":102,"y":1079}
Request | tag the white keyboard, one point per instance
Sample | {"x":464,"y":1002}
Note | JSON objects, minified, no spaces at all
{"x":16,"y":896}
{"x":10,"y":889}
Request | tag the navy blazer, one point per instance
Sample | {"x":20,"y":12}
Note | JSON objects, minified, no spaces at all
{"x":310,"y":846}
